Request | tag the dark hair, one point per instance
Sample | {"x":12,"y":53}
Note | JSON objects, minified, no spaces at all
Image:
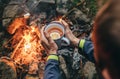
{"x":106,"y":38}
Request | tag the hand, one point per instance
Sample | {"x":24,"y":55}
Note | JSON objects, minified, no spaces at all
{"x":68,"y":33}
{"x":48,"y":43}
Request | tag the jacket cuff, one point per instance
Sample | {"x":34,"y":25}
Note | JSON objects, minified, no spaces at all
{"x":81,"y":43}
{"x":53,"y":57}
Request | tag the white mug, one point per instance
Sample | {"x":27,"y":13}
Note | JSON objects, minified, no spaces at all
{"x":57,"y":31}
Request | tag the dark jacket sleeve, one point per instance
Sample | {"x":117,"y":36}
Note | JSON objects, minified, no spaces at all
{"x":88,"y":50}
{"x":52,"y":70}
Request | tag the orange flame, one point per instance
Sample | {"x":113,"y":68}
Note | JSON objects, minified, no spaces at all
{"x":26,"y":42}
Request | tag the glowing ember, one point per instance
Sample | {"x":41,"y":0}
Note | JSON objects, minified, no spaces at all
{"x":60,"y":19}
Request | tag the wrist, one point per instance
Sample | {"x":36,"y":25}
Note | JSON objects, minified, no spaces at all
{"x":53,"y":52}
{"x":81,"y":43}
{"x":53,"y":57}
{"x":76,"y":42}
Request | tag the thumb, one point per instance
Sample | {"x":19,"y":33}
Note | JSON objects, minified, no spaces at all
{"x":66,"y":26}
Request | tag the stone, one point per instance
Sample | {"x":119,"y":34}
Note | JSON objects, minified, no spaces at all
{"x":89,"y":71}
{"x":7,"y":69}
{"x":9,"y":13}
{"x":12,"y":10}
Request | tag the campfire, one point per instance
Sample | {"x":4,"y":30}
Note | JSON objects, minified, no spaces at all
{"x":23,"y":46}
{"x":28,"y":54}
{"x":26,"y":43}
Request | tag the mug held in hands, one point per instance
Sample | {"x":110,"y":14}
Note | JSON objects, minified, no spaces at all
{"x":56,"y":31}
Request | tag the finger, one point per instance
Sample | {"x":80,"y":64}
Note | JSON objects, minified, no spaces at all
{"x":52,"y":43}
{"x":65,"y":24}
{"x":50,"y":40}
{"x":44,"y":41}
{"x":55,"y":45}
{"x":48,"y":37}
{"x":42,"y":34}
{"x":42,"y":29}
{"x":46,"y":46}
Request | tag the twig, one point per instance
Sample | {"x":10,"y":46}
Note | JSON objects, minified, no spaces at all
{"x":13,"y":53}
{"x":78,"y":4}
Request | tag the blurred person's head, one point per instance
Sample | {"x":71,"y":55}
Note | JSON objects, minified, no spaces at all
{"x":106,"y":38}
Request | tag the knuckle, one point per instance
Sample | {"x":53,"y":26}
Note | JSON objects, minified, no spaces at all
{"x":52,"y":42}
{"x":67,"y":31}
